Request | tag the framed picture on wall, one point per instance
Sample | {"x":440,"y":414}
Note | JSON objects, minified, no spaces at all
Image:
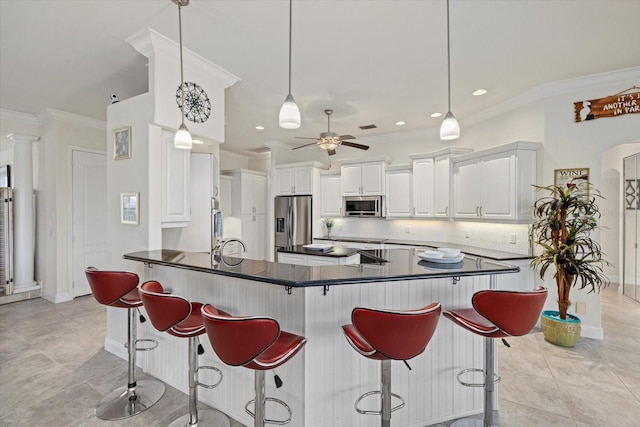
{"x":122,"y":143}
{"x":577,"y":176}
{"x":5,"y":176}
{"x":130,"y":208}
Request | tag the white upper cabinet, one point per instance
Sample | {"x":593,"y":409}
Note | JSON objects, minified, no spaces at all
{"x":176,"y":203}
{"x":423,"y":187}
{"x":330,"y":194}
{"x":363,"y":178}
{"x":249,"y":189}
{"x":399,"y":202}
{"x":296,"y":178}
{"x":496,"y":184}
{"x":443,"y":170}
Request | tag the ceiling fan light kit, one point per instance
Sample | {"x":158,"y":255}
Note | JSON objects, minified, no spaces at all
{"x":450,"y":129}
{"x":183,"y":137}
{"x":330,"y":140}
{"x":289,"y":113}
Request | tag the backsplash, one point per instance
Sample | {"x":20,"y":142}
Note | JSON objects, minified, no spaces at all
{"x":481,"y":234}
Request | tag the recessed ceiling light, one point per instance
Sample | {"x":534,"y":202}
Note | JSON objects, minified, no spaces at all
{"x":260,"y":127}
{"x":400,"y":123}
{"x":197,"y":141}
{"x":479,"y":92}
{"x":436,"y":115}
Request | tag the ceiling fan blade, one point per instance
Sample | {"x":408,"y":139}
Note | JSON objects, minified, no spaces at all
{"x":343,"y":137}
{"x":354,"y":145}
{"x":305,"y":145}
{"x":331,"y":152}
{"x":303,"y":137}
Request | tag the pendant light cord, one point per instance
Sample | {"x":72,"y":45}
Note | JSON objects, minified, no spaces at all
{"x":181,"y":67}
{"x":290,"y":26}
{"x":448,"y":62}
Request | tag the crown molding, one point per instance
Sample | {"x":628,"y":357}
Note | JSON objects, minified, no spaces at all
{"x":18,"y":116}
{"x":50,"y":114}
{"x":150,"y":42}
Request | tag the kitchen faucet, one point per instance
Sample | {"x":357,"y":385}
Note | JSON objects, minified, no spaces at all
{"x":217,"y":242}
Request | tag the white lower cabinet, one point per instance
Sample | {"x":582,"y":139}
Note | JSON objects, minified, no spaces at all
{"x":254,"y":236}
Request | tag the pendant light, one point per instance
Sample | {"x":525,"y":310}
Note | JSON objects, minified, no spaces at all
{"x":450,"y":129}
{"x":289,"y":113}
{"x":183,"y":137}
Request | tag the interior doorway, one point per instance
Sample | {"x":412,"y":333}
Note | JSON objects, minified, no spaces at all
{"x":631,"y":227}
{"x":88,"y":216}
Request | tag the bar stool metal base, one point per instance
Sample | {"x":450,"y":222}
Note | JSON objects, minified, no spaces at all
{"x":124,"y":402}
{"x":206,"y":417}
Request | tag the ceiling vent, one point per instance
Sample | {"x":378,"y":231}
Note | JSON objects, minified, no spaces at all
{"x":260,"y":150}
{"x":367,"y":127}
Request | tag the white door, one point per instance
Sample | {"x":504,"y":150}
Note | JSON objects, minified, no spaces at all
{"x":372,"y":179}
{"x":399,"y":193}
{"x":423,"y":186}
{"x":88,"y":217}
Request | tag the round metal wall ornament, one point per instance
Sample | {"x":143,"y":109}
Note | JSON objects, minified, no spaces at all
{"x":197,"y":106}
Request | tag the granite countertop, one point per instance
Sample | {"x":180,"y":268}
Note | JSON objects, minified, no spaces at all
{"x":403,"y":264}
{"x":471,"y":250}
{"x":336,"y":251}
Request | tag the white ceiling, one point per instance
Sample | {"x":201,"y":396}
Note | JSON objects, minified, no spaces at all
{"x":373,"y":62}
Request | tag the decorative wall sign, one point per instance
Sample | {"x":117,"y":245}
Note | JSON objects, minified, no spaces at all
{"x":122,"y":143}
{"x":197,"y":106}
{"x":130,"y":208}
{"x":632,"y":194}
{"x":612,"y":106}
{"x":577,"y":176}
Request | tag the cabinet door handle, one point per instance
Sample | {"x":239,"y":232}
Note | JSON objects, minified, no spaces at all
{"x":477,"y":210}
{"x":414,"y":210}
{"x":480,"y":210}
{"x":293,"y":190}
{"x":446,"y":211}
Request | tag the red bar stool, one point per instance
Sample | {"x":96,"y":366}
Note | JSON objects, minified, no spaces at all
{"x":256,"y":343}
{"x":120,"y":289}
{"x":495,"y":314}
{"x":181,"y":318}
{"x":388,"y":335}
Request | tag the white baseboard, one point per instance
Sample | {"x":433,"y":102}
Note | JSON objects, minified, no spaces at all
{"x":57,"y":298}
{"x":115,"y":347}
{"x":592,"y":332}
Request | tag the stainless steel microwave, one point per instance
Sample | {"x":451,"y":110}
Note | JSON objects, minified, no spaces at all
{"x":364,"y":206}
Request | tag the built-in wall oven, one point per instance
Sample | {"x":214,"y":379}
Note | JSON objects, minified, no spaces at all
{"x":363,"y":206}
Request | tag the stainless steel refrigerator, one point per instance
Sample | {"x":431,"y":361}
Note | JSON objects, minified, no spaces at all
{"x":293,"y":221}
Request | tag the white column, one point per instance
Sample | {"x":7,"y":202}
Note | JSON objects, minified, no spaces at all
{"x":23,"y":213}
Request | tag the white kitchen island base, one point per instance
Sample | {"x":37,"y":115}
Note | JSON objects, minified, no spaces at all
{"x":323,"y":381}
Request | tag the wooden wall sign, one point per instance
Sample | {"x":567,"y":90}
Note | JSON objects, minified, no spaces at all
{"x":625,"y":102}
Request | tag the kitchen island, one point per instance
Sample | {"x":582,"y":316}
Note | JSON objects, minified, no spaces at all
{"x":322,"y":382}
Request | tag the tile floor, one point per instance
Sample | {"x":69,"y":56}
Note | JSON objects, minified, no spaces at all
{"x":53,"y":370}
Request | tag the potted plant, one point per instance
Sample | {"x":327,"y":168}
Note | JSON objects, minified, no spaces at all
{"x":564,"y":220}
{"x":328,"y":222}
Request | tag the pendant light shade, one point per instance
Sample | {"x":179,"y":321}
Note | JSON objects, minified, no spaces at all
{"x":450,"y":129}
{"x":289,"y":113}
{"x":183,"y":137}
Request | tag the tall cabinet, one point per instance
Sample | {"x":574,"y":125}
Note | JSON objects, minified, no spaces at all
{"x":249,"y":203}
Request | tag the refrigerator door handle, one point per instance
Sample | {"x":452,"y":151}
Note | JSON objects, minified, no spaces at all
{"x":290,"y":225}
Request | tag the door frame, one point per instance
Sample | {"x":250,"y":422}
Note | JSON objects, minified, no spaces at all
{"x":70,"y":150}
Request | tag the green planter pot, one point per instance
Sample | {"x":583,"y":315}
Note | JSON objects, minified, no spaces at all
{"x":562,"y":332}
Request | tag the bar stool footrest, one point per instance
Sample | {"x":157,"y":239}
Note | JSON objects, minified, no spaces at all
{"x":268,"y":421}
{"x":371,"y":393}
{"x":152,"y":346}
{"x":496,"y":378}
{"x":209,"y":386}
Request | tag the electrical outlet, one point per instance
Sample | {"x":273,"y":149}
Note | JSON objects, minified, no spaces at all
{"x":581,"y":308}
{"x":466,"y":234}
{"x":512,"y":238}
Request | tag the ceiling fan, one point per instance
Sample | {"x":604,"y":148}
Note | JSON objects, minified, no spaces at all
{"x":330,"y":140}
